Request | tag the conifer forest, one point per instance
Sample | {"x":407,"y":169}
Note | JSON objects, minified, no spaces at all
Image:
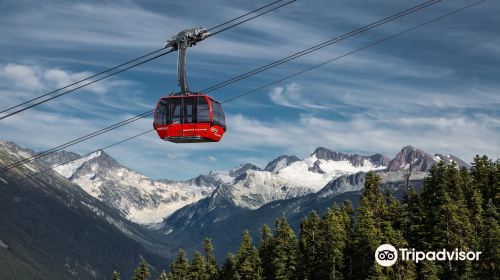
{"x":457,"y":208}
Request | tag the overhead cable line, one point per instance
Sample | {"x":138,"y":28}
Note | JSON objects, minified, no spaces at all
{"x":293,"y":75}
{"x":321,"y":45}
{"x":88,"y":154}
{"x":355,"y":51}
{"x":81,"y":86}
{"x":137,"y":117}
{"x":148,"y":113}
{"x":76,"y":141}
{"x":244,"y":15}
{"x":248,"y":19}
{"x":134,"y":63}
{"x":80,"y":81}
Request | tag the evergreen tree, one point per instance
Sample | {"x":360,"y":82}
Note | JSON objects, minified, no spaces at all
{"x":373,"y":227}
{"x":457,"y":208}
{"x":142,"y":271}
{"x":197,"y":269}
{"x":400,"y":270}
{"x":429,"y":271}
{"x":163,"y":275}
{"x":367,"y":231}
{"x":446,"y":217}
{"x":474,"y":201}
{"x":180,"y":267}
{"x":211,"y":263}
{"x":489,"y":261}
{"x":334,"y":230}
{"x":285,"y":252}
{"x":116,"y":275}
{"x":228,"y":270}
{"x":265,"y":252}
{"x":247,"y":266}
{"x":393,"y":234}
{"x":309,"y":248}
{"x":486,"y":176}
{"x":348,"y":215}
{"x":393,"y":210}
{"x":412,"y":216}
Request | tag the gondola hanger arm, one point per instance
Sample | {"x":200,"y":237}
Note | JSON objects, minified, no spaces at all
{"x":180,"y":43}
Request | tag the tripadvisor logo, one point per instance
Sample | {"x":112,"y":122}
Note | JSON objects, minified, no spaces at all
{"x":387,"y":255}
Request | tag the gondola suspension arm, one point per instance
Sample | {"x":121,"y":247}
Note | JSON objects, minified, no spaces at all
{"x":180,"y":43}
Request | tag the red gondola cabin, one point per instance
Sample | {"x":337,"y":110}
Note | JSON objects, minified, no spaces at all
{"x":190,"y":118}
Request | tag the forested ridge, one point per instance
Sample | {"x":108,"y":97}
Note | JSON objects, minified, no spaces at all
{"x":456,"y":209}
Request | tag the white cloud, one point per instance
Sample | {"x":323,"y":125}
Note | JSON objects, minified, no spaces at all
{"x":459,"y":135}
{"x":35,"y":79}
{"x":291,"y":96}
{"x":211,"y":159}
{"x":386,"y":96}
{"x":21,"y":82}
{"x":21,"y":77}
{"x":172,"y":156}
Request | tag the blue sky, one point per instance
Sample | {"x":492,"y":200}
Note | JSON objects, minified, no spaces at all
{"x":436,"y":88}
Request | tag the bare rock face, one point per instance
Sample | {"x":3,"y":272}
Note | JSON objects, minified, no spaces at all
{"x":137,"y":197}
{"x":419,"y":160}
{"x":280,"y":162}
{"x":354,"y":159}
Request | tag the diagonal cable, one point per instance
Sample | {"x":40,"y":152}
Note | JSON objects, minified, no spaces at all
{"x":295,"y":74}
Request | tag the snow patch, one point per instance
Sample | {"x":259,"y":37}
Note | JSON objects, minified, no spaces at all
{"x":222,"y":175}
{"x":30,"y":167}
{"x":138,"y":198}
{"x":157,"y":214}
{"x":3,"y":245}
{"x":3,"y":180}
{"x":299,"y":173}
{"x":280,"y":165}
{"x":67,"y":170}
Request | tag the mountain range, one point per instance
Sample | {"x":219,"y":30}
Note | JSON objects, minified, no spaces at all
{"x":120,"y":208}
{"x":52,"y":229}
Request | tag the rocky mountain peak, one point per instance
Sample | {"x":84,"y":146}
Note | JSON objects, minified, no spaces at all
{"x":242,"y":169}
{"x":412,"y":157}
{"x":278,"y":163}
{"x":57,"y":158}
{"x":355,"y":159}
{"x":200,"y":181}
{"x":96,"y":163}
{"x":380,"y":160}
{"x":14,"y":148}
{"x":322,"y":153}
{"x":448,"y":159}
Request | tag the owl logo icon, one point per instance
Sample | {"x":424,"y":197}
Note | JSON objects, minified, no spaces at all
{"x":386,"y":255}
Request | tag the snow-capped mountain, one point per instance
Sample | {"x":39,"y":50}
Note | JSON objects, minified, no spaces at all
{"x":52,"y":229}
{"x":218,"y":202}
{"x":56,"y":158}
{"x":287,"y":176}
{"x":324,"y":165}
{"x":248,"y":187}
{"x":139,"y":198}
{"x":291,"y":187}
{"x":419,"y":160}
{"x":218,"y":217}
{"x":146,"y":201}
{"x":280,"y":162}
